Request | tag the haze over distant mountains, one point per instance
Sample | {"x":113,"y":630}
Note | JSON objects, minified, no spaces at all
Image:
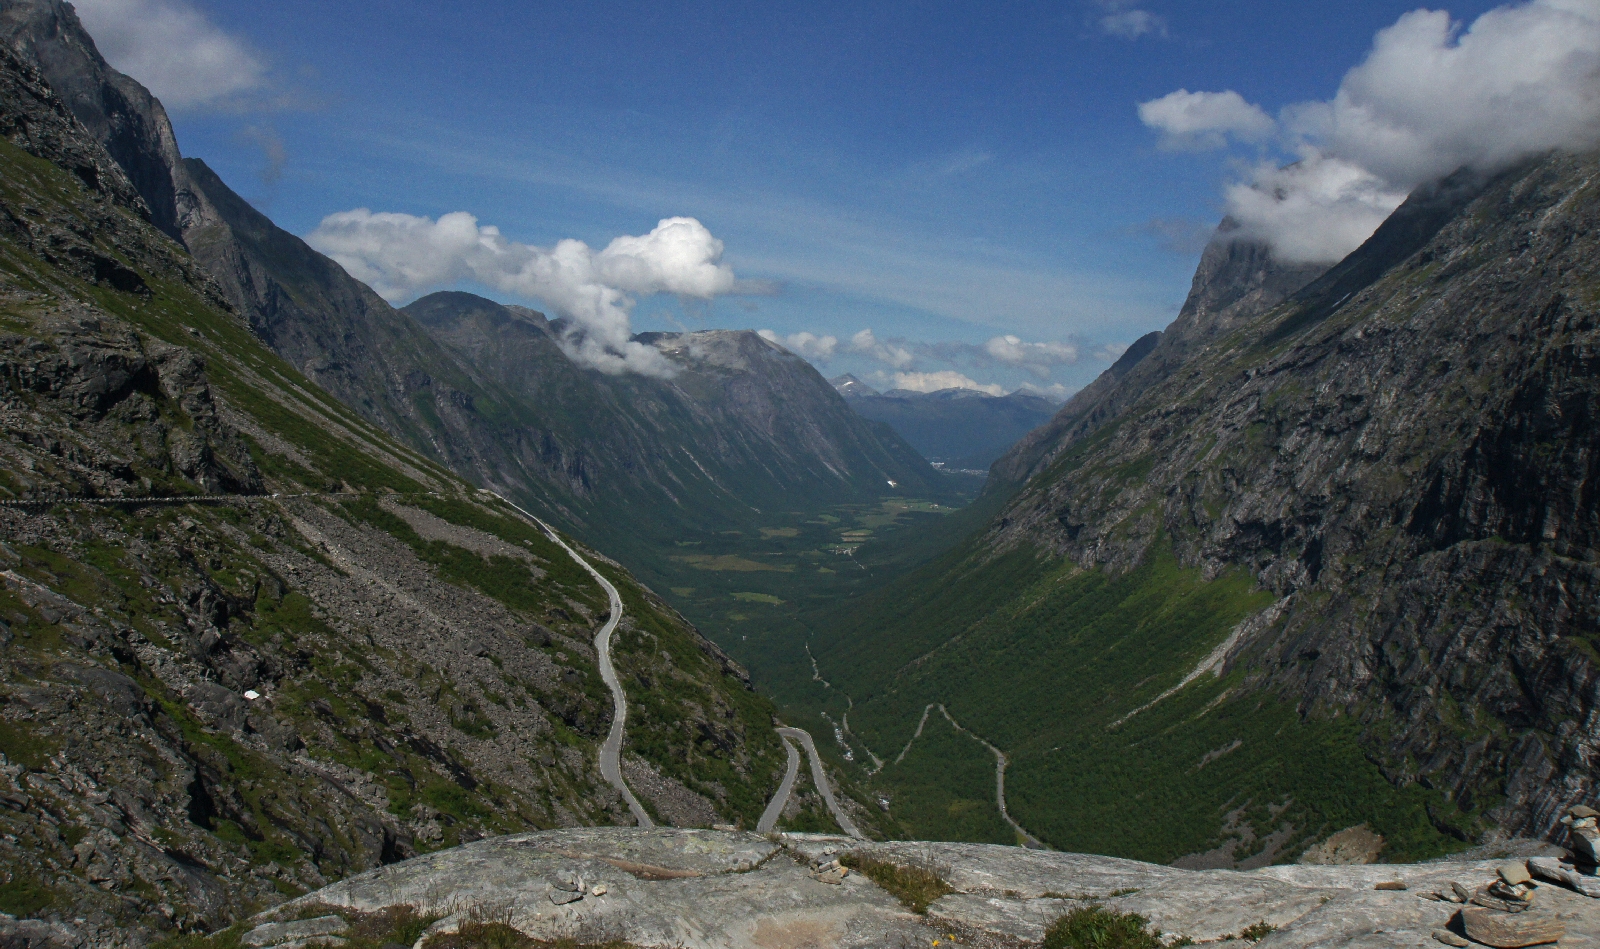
{"x":958,"y":429}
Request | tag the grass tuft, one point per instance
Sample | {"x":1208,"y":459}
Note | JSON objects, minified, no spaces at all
{"x":1095,"y":927}
{"x":916,"y":887}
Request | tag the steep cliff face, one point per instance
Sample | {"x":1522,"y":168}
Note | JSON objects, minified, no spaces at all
{"x":1237,"y":280}
{"x":119,"y":113}
{"x":1333,"y":567}
{"x":345,"y":656}
{"x":1403,"y":454}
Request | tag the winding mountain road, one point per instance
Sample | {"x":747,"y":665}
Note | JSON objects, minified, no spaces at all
{"x":769,"y":817}
{"x":819,"y":778}
{"x":1000,"y":762}
{"x":611,"y":749}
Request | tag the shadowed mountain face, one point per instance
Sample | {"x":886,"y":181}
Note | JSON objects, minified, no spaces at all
{"x":742,"y":428}
{"x":1236,"y":281}
{"x":1341,"y":518}
{"x":958,"y":428}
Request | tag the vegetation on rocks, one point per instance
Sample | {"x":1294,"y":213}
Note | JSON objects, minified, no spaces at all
{"x":917,"y":886}
{"x":348,"y":656}
{"x":1095,"y":927}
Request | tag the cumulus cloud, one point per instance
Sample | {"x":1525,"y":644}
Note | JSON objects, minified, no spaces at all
{"x":1195,"y":121}
{"x":1316,"y":210}
{"x":891,"y":353}
{"x":187,"y":61}
{"x":1122,"y":19}
{"x":1037,"y":358}
{"x":1430,"y":97}
{"x":944,"y":379}
{"x":399,"y":255}
{"x":808,"y":345}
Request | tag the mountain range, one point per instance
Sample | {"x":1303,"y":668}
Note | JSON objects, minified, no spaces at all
{"x":608,"y":456}
{"x":958,"y":429}
{"x":258,"y":633}
{"x":1316,"y":558}
{"x":293,"y":583}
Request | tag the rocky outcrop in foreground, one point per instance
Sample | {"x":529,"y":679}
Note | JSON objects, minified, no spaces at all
{"x":697,"y":888}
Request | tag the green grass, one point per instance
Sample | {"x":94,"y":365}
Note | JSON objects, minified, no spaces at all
{"x":1043,"y":659}
{"x":1095,"y":927}
{"x":918,"y":887}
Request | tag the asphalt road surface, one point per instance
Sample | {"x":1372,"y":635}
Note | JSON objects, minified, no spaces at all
{"x":611,"y":749}
{"x":821,"y":781}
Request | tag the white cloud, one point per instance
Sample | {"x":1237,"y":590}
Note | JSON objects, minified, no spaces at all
{"x":944,"y":379}
{"x":1055,"y":392}
{"x":1194,"y":121}
{"x":808,"y":345}
{"x":1037,"y":358}
{"x":399,"y":255}
{"x":891,"y":354}
{"x":1121,"y":18}
{"x":174,"y":50}
{"x":1316,"y":210}
{"x":1429,"y":98}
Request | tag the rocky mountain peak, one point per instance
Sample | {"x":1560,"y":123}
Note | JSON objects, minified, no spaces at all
{"x":850,"y":387}
{"x":118,"y":112}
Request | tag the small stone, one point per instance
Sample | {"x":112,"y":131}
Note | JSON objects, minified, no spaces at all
{"x":1514,"y":872}
{"x":1449,"y":938}
{"x":563,"y":897}
{"x":1586,"y":843}
{"x":727,"y":828}
{"x":1506,"y":931}
{"x":1580,"y":811}
{"x":827,"y":877}
{"x":599,"y":889}
{"x":566,"y":881}
{"x":1390,"y":885}
{"x":1486,"y":898}
{"x":1460,"y":892}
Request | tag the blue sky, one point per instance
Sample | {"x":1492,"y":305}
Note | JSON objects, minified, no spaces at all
{"x":941,"y":173}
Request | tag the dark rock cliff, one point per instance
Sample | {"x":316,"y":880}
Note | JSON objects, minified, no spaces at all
{"x":1403,"y":451}
{"x":1236,"y":281}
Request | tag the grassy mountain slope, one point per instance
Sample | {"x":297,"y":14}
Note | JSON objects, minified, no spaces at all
{"x":1371,"y":499}
{"x":745,"y":433}
{"x":419,"y":653}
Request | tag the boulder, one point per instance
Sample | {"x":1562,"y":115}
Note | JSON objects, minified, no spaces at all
{"x":1549,"y":868}
{"x":1508,"y":930}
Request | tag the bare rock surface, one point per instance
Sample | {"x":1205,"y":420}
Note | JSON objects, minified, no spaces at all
{"x":703,"y":889}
